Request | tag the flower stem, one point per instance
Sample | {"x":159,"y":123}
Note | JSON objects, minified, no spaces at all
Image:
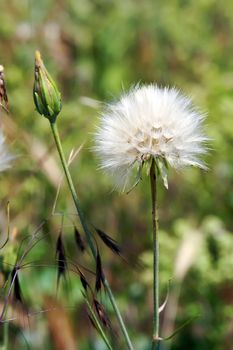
{"x":87,"y":230}
{"x":155,"y":341}
{"x":4,"y":345}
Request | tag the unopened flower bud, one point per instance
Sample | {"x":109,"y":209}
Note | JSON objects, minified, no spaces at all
{"x":46,"y":96}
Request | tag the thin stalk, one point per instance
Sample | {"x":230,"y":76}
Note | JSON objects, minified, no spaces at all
{"x":4,"y":346}
{"x":87,"y":231}
{"x":98,"y":325}
{"x":153,"y":183}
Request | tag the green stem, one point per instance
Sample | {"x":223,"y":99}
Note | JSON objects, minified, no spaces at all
{"x":87,"y":230}
{"x":98,"y":325}
{"x":4,"y":346}
{"x":155,"y":227}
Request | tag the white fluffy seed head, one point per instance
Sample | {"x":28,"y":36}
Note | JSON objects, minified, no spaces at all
{"x":147,"y":122}
{"x":5,"y":156}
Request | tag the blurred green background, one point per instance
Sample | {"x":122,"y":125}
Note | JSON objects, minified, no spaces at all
{"x":94,"y":50}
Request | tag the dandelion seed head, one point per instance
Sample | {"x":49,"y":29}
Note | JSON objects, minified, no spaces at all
{"x":147,"y":122}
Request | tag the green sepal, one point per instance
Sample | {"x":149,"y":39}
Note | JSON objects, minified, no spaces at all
{"x":38,"y":102}
{"x":138,"y":177}
{"x":148,"y":165}
{"x":162,"y":169}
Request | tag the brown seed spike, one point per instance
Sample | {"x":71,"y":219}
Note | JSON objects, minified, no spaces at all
{"x":109,"y":242}
{"x":99,"y":272}
{"x":61,"y":258}
{"x":84,"y":281}
{"x":101,"y":313}
{"x":79,"y":241}
{"x":17,"y":288}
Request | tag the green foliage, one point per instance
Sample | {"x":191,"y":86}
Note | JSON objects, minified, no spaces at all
{"x":95,"y":49}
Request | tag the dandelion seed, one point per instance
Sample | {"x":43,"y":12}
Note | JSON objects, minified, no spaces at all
{"x":149,"y":122}
{"x":5,"y":156}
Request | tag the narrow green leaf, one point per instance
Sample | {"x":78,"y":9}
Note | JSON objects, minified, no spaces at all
{"x":181,"y":327}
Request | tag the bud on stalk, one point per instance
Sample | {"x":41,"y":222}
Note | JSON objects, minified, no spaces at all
{"x":46,"y":96}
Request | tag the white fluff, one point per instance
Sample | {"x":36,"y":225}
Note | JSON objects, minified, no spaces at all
{"x":5,"y":156}
{"x":149,"y":121}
